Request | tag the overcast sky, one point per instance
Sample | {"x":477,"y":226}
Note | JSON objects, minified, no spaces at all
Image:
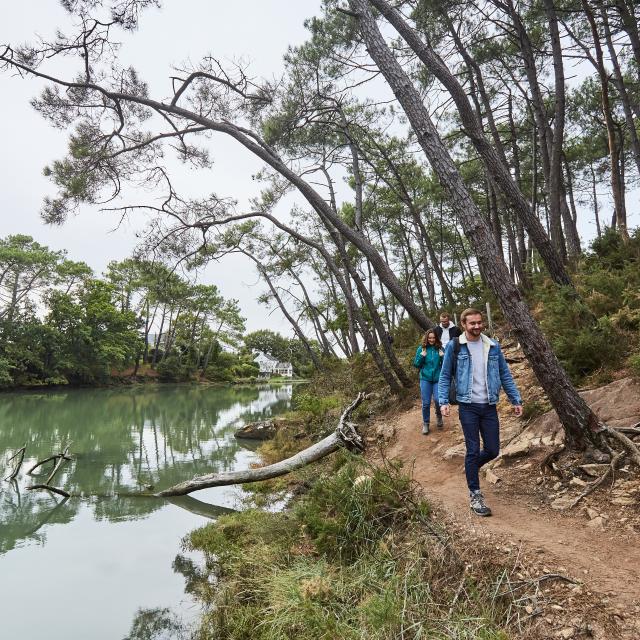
{"x":257,"y":31}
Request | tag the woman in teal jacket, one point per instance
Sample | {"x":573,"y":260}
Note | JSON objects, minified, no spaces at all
{"x":429,"y":360}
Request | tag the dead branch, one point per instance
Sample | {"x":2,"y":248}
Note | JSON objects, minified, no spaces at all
{"x":60,"y":492}
{"x":344,"y":435}
{"x":62,"y":458}
{"x":39,"y":464}
{"x":16,"y":469}
{"x":596,"y":483}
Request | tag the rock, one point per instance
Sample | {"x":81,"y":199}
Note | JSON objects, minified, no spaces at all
{"x":562,"y":503}
{"x":577,"y":482}
{"x":596,"y":523}
{"x":362,"y":480}
{"x":458,"y":450}
{"x":624,"y":500}
{"x":517,"y":448}
{"x":385,"y":432}
{"x":262,"y":430}
{"x":591,"y":513}
{"x":491,"y":477}
{"x":566,"y":633}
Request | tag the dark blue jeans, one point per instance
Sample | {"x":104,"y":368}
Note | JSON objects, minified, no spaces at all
{"x":427,"y":391}
{"x":479,"y":421}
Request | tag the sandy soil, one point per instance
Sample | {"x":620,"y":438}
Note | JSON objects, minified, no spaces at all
{"x":606,"y":560}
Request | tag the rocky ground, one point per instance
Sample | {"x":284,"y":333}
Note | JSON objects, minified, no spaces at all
{"x":576,"y":558}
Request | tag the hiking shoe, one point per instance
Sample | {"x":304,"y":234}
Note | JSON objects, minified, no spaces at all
{"x":440,"y":423}
{"x":478,"y":505}
{"x":425,"y":429}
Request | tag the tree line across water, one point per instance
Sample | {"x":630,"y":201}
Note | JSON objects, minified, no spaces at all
{"x":60,"y":324}
{"x":491,"y":134}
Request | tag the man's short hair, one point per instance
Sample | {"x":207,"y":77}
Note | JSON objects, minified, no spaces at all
{"x":469,"y":312}
{"x":444,"y":314}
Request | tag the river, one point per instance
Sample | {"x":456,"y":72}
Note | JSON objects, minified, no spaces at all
{"x":102,"y":565}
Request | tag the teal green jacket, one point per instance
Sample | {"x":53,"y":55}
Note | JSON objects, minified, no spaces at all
{"x":429,"y":365}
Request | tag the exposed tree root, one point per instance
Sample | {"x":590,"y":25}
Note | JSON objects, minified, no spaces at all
{"x":596,"y":483}
{"x":547,"y":463}
{"x":629,"y":445}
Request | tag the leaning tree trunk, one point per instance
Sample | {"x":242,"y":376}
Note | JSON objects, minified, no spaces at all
{"x":345,"y":435}
{"x":580,"y":423}
{"x":494,"y":165}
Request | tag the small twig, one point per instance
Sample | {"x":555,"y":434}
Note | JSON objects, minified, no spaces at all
{"x":547,"y":576}
{"x":596,"y":483}
{"x":60,"y":492}
{"x":16,"y":469}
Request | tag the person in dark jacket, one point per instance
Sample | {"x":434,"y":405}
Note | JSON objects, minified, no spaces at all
{"x":446,"y":330}
{"x":429,"y":360}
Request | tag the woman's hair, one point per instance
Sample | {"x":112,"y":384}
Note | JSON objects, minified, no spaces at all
{"x":425,"y":341}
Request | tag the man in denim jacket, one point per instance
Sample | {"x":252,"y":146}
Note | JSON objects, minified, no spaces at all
{"x":481,"y":370}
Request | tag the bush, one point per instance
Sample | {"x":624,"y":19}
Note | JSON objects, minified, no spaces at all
{"x":634,"y":364}
{"x":314,"y":405}
{"x":345,"y":519}
{"x":172,"y":370}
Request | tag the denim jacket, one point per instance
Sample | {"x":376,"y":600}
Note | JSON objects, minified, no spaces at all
{"x":498,"y":373}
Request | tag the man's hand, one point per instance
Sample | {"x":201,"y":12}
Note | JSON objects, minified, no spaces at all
{"x":446,"y":410}
{"x":517,"y":409}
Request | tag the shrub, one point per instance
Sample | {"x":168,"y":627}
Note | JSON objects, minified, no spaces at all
{"x":634,"y":364}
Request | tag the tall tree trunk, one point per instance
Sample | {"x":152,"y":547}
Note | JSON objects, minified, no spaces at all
{"x":616,"y":187}
{"x":495,"y":166}
{"x":622,"y":90}
{"x":580,"y":423}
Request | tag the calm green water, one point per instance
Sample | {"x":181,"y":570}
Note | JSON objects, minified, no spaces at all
{"x":102,"y":566}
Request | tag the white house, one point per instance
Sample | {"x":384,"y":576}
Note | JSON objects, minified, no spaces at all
{"x":284,"y":369}
{"x":269,"y":366}
{"x":266,"y":363}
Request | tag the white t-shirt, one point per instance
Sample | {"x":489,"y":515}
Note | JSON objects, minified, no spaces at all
{"x":479,"y":393}
{"x":444,"y":338}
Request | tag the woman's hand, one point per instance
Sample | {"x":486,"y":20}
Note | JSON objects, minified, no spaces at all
{"x":424,"y":351}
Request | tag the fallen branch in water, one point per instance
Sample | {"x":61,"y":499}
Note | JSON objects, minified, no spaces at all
{"x":49,"y":459}
{"x":60,"y":492}
{"x":62,"y":458}
{"x":20,"y":452}
{"x":344,"y":435}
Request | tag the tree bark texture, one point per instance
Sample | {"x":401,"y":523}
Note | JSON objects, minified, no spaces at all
{"x":580,"y":423}
{"x":495,"y":166}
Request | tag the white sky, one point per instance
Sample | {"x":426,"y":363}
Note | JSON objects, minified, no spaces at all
{"x":258,"y":31}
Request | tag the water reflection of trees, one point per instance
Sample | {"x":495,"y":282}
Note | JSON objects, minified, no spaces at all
{"x":122,"y":441}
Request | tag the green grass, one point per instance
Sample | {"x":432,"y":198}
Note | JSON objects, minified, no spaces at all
{"x":356,"y":557}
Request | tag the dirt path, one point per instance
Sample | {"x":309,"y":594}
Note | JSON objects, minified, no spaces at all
{"x":602,"y":560}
